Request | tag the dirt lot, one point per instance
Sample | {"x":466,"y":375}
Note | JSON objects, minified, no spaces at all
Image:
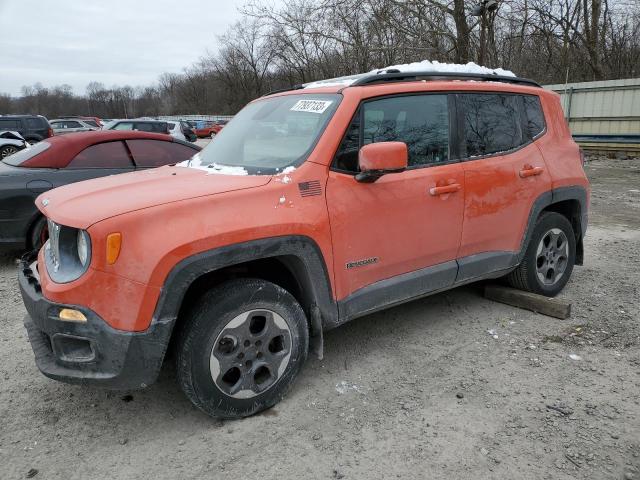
{"x":419,"y":391}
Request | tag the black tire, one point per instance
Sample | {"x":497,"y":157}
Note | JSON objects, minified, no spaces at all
{"x":208,"y":347}
{"x":38,"y":234}
{"x":8,"y":150}
{"x":545,"y":270}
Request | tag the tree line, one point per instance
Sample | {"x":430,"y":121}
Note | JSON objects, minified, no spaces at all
{"x":550,"y":41}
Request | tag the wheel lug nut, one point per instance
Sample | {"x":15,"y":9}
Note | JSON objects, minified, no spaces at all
{"x":258,"y":343}
{"x":241,"y":355}
{"x":247,"y":343}
{"x":259,"y":355}
{"x":249,"y":363}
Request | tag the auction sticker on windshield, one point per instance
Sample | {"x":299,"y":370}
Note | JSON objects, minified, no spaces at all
{"x":312,"y":106}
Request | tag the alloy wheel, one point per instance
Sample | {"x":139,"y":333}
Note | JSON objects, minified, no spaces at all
{"x":552,"y":256}
{"x":251,"y":353}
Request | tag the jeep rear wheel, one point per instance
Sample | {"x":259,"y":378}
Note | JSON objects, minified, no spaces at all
{"x":549,"y":258}
{"x":241,"y":348}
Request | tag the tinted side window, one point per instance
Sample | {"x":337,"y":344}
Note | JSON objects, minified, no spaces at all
{"x":533,"y":115}
{"x":155,"y":153}
{"x":123,"y":126}
{"x":420,"y":121}
{"x":35,"y":123}
{"x":102,"y":155}
{"x":491,"y":123}
{"x":9,"y":124}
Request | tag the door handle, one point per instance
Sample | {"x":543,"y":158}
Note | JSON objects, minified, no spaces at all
{"x":451,"y":188}
{"x":529,"y":171}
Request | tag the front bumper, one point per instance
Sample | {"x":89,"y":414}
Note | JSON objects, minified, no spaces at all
{"x":91,"y":352}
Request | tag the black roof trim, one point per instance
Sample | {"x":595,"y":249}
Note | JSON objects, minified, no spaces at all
{"x":396,"y":76}
{"x":288,"y":89}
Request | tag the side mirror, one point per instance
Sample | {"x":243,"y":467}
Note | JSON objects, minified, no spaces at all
{"x":378,"y":159}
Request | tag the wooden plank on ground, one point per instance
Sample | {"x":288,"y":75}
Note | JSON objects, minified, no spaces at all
{"x":552,"y":307}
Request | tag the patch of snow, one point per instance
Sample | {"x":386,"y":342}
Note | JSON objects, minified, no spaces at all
{"x":289,"y":170}
{"x":343,"y":387}
{"x":573,"y":356}
{"x":493,"y":333}
{"x":286,"y":179}
{"x":212,"y":169}
{"x":423,"y":66}
{"x":282,"y":200}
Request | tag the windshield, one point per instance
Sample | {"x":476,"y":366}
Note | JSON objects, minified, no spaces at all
{"x":22,"y":156}
{"x":270,"y":135}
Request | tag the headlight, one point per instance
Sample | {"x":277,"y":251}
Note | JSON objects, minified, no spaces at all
{"x":67,"y":253}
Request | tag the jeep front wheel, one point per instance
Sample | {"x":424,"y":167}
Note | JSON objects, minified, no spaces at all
{"x":241,"y":348}
{"x":548,"y":261}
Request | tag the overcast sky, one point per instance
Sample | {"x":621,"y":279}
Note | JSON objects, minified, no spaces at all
{"x":110,"y":41}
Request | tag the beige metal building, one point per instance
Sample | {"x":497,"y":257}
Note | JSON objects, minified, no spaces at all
{"x":603,"y":115}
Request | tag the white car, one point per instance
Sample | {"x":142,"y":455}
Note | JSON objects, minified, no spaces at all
{"x":10,"y":143}
{"x":182,"y":131}
{"x":70,"y":125}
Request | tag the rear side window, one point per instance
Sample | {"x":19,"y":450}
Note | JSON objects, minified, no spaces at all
{"x":102,"y":155}
{"x":491,"y":123}
{"x":533,"y":116}
{"x":91,"y":122}
{"x":8,"y":124}
{"x":420,"y":121}
{"x":155,"y":153}
{"x":123,"y":126}
{"x":152,"y":127}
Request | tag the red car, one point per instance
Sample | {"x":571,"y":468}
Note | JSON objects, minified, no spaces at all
{"x":210,"y":129}
{"x":70,"y":158}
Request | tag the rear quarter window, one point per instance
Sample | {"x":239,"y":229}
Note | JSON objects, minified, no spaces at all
{"x":155,"y":153}
{"x":533,"y":116}
{"x":36,"y":123}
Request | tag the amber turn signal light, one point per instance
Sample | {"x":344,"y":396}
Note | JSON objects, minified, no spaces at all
{"x":70,"y":315}
{"x":114,"y":242}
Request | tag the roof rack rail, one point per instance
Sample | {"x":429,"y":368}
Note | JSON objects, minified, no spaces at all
{"x":280,"y":90}
{"x":397,"y":76}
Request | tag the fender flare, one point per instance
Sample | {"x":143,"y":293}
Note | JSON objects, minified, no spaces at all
{"x":549,"y":198}
{"x":303,"y":248}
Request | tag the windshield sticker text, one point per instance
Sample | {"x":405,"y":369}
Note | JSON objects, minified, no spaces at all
{"x":312,"y":106}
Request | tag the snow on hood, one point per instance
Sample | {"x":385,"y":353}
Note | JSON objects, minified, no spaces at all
{"x":212,"y":169}
{"x":423,"y":66}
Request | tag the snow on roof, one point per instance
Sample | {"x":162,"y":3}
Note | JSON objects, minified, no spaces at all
{"x":423,"y":66}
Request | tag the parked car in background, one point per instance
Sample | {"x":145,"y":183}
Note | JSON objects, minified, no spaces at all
{"x":181,"y":130}
{"x":211,"y":129}
{"x":10,"y":143}
{"x":33,"y":128}
{"x":67,"y":159}
{"x":93,"y":121}
{"x":155,"y":126}
{"x":71,"y":125}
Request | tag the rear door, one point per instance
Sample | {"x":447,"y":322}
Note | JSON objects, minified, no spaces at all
{"x":402,"y":232}
{"x":504,"y":175}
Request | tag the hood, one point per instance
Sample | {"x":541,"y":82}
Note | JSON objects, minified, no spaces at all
{"x":82,"y":204}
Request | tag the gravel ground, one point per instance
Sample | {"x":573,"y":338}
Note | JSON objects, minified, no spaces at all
{"x":419,"y":391}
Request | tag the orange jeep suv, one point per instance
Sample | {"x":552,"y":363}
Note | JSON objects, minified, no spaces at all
{"x":314,"y":206}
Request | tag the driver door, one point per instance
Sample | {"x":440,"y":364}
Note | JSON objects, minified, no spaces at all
{"x":398,"y":237}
